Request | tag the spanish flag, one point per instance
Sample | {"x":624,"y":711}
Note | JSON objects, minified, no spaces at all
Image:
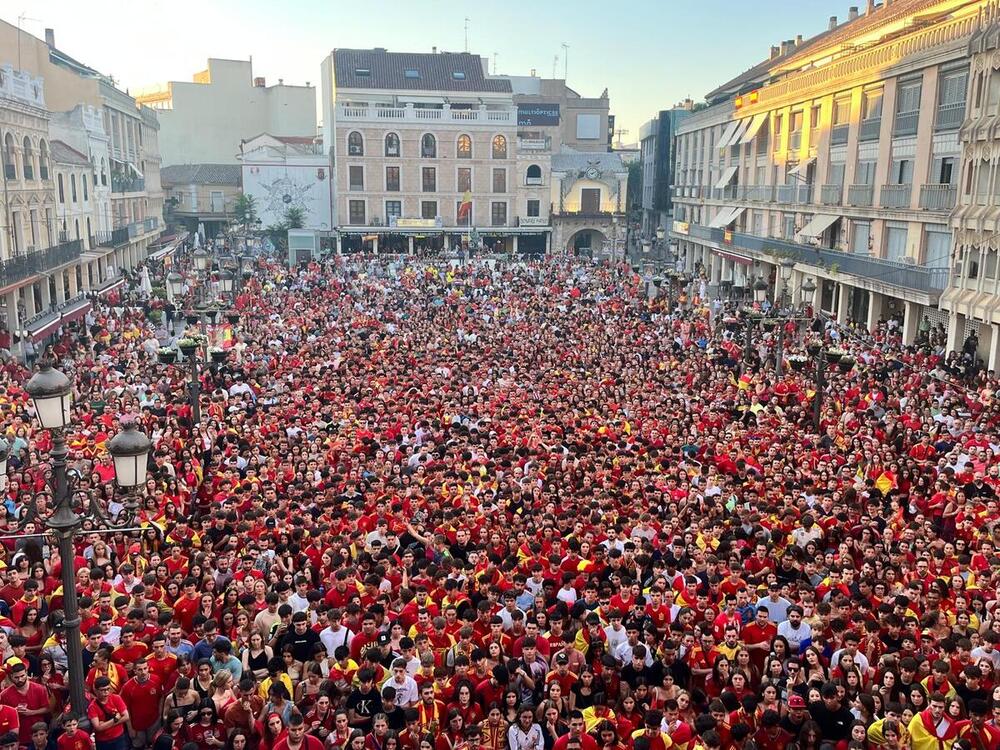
{"x":886,"y":482}
{"x":465,"y":207}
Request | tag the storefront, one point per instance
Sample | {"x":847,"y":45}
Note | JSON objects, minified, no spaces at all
{"x":423,"y":236}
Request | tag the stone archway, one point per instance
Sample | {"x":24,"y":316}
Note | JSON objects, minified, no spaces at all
{"x":586,"y":242}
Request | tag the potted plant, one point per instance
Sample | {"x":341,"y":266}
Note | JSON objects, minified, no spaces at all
{"x":769,"y":324}
{"x":833,"y":355}
{"x":846,"y":363}
{"x":798,"y":362}
{"x":166,"y":355}
{"x":233,"y":317}
{"x":217,"y":354}
{"x":813,"y":347}
{"x":187,"y":346}
{"x":191,"y":317}
{"x":732,"y":324}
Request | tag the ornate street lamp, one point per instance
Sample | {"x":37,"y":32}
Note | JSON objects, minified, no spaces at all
{"x":202,"y":259}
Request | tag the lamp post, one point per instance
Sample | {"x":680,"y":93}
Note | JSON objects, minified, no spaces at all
{"x":51,"y":393}
{"x":759,"y":295}
{"x":785,"y":270}
{"x":660,"y":233}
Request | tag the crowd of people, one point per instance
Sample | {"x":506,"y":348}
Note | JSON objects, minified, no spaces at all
{"x":509,"y":506}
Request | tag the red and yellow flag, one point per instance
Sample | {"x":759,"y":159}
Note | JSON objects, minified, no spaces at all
{"x":465,"y":207}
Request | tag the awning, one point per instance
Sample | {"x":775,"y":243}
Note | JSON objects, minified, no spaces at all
{"x":727,"y":134}
{"x":755,"y":125}
{"x":163,"y":252}
{"x":113,"y":285}
{"x":720,"y":218}
{"x":734,"y":257}
{"x":726,"y":177}
{"x":738,"y":133}
{"x":797,"y":169}
{"x":736,"y":213}
{"x":45,"y":327}
{"x":817,"y":225}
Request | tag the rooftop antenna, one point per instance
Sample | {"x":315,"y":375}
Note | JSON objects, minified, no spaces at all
{"x":555,"y":62}
{"x":494,"y":63}
{"x":22,"y":17}
{"x":619,"y":133}
{"x":467,"y":19}
{"x":565,"y":61}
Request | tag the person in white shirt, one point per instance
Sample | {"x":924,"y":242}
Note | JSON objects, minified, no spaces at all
{"x":615,"y":632}
{"x":405,"y":686}
{"x":797,"y":633}
{"x":525,"y":734}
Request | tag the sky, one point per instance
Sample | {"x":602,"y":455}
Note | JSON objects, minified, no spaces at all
{"x":649,"y":54}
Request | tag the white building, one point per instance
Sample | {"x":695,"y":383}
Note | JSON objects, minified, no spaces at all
{"x":205,"y":120}
{"x":283,"y":172}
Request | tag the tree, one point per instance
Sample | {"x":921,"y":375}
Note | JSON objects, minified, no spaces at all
{"x":295,"y":218}
{"x":246,"y":210}
{"x":633,"y":190}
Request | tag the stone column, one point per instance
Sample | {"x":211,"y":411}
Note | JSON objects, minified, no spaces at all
{"x":843,"y":301}
{"x":875,"y":307}
{"x":956,"y":329}
{"x":30,"y":309}
{"x":14,"y":320}
{"x":60,"y":287}
{"x":375,"y":245}
{"x":993,"y":358}
{"x":409,"y":245}
{"x":515,"y":243}
{"x":74,"y":287}
{"x":46,"y":295}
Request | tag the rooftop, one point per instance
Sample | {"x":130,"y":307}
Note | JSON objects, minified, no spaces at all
{"x":414,"y":71}
{"x":201,"y":174}
{"x":65,"y":154}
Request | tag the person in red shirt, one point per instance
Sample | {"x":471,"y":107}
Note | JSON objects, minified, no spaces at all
{"x":144,"y":693}
{"x":29,"y":699}
{"x":576,"y":738}
{"x":108,"y":716}
{"x":297,"y":739}
{"x":74,"y":738}
{"x":757,"y":636}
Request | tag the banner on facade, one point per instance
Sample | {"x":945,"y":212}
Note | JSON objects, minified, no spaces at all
{"x":537,"y":114}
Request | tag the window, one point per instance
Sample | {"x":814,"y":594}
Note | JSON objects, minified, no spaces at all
{"x":411,"y":73}
{"x":865,"y":173}
{"x":458,"y":75}
{"x":895,"y":241}
{"x":797,"y":121}
{"x":392,"y":179}
{"x":464,"y":179}
{"x":498,"y":214}
{"x":534,"y":208}
{"x":429,"y":180}
{"x":499,"y":180}
{"x":835,"y":175}
{"x":841,"y":111}
{"x":393,"y":209}
{"x":463,"y":150}
{"x":778,"y":122}
{"x":355,"y":144}
{"x":59,"y":186}
{"x":871,"y":104}
{"x":993,"y":93}
{"x":499,"y":147}
{"x":357,"y":177}
{"x":983,"y":182}
{"x":391,"y":144}
{"x":588,"y":127}
{"x":72,"y":188}
{"x":901,"y":172}
{"x":463,"y":221}
{"x":908,"y":97}
{"x":428,"y":209}
{"x":428,"y":146}
{"x":27,"y":165}
{"x":952,"y":86}
{"x":937,"y":245}
{"x":217,"y":202}
{"x":534,"y":175}
{"x":590,"y":200}
{"x":861,"y":238}
{"x":814,"y":114}
{"x":356,"y":212}
{"x":86,"y":194}
{"x":363,"y":72}
{"x":43,"y":161}
{"x":943,"y":170}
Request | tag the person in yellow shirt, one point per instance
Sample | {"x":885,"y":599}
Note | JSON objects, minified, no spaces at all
{"x":932,"y":729}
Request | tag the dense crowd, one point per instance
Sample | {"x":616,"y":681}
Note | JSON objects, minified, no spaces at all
{"x":439,"y":506}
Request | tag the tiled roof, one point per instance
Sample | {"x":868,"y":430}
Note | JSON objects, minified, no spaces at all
{"x":569,"y":160}
{"x":446,"y":71}
{"x":201,"y":174}
{"x":64,"y":154}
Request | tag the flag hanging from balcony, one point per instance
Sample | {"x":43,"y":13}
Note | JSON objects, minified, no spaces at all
{"x":465,"y":207}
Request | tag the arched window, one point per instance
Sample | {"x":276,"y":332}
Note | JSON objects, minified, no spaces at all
{"x":76,"y":226}
{"x":89,"y":232}
{"x":43,"y":161}
{"x":534,"y":175}
{"x":72,"y":188}
{"x":428,"y":146}
{"x":9,"y":168}
{"x":355,"y":144}
{"x":27,"y":163}
{"x":391,"y":144}
{"x":499,"y":147}
{"x":104,"y":173}
{"x":83,"y":181}
{"x":464,"y":148}
{"x":59,"y":186}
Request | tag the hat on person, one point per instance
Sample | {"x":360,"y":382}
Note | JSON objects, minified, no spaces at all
{"x":384,"y":639}
{"x":796,"y":701}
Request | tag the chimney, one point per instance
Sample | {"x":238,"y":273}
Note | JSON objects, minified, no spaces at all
{"x":798,"y":40}
{"x":784,"y":48}
{"x":434,"y":50}
{"x":871,"y":8}
{"x":50,"y":38}
{"x":775,"y":51}
{"x":259,"y":82}
{"x":852,"y":13}
{"x":532,"y":72}
{"x":281,"y":81}
{"x":833,"y":23}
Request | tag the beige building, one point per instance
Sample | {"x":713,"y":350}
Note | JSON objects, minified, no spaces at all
{"x":411,"y":134}
{"x":549,"y":109}
{"x":201,"y":194}
{"x":203,"y":121}
{"x":588,"y":204}
{"x":841,"y":153}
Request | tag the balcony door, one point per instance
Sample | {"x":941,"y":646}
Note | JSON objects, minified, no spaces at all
{"x":590,"y":200}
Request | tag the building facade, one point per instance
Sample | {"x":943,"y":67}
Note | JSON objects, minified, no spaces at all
{"x":841,"y":153}
{"x":201,"y":195}
{"x":411,"y":136}
{"x":203,"y":121}
{"x":588,"y":204}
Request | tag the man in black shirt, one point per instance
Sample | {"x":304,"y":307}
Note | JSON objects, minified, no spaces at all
{"x":636,"y":672}
{"x":364,"y":701}
{"x":833,"y":717}
{"x":301,"y":638}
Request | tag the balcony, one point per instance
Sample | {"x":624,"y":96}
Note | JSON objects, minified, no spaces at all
{"x":869,"y":129}
{"x":533,"y":181}
{"x":860,"y":195}
{"x":9,"y":172}
{"x":938,"y":197}
{"x":950,"y":116}
{"x":839,"y":133}
{"x":906,"y":123}
{"x":121,"y":183}
{"x":831,"y":195}
{"x":795,"y":141}
{"x":895,"y":196}
{"x":410,"y":113}
{"x":22,"y":267}
{"x":804,"y":193}
{"x":928,"y":281}
{"x":786,"y":194}
{"x":760,"y":193}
